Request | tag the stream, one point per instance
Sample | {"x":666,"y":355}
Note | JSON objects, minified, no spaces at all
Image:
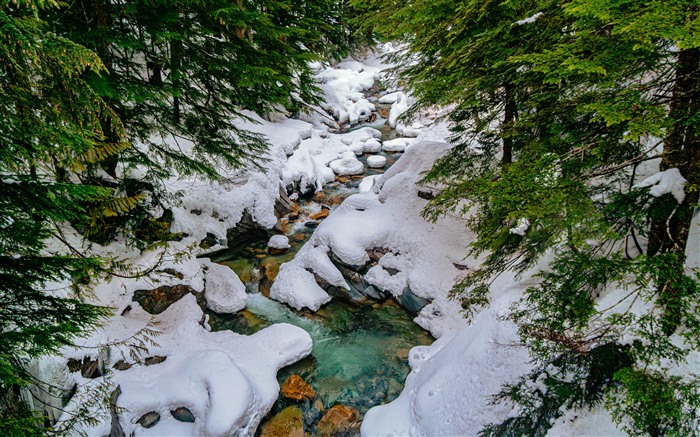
{"x":360,"y":351}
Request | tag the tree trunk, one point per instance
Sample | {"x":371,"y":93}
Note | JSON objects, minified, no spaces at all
{"x":670,"y":228}
{"x":508,"y":120}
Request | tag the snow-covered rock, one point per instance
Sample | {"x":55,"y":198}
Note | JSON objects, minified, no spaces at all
{"x":347,"y":165}
{"x":278,"y":242}
{"x":397,"y":144}
{"x":224,"y":291}
{"x":376,"y":161}
{"x":372,"y":146}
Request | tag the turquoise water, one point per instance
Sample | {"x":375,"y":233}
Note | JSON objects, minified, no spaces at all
{"x":359,"y":352}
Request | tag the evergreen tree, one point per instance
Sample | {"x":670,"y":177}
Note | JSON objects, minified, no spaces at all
{"x":51,"y":131}
{"x":600,"y":87}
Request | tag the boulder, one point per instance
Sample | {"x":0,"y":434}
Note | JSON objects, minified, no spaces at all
{"x":183,"y":414}
{"x":288,"y":422}
{"x":338,"y":419}
{"x":159,"y":299}
{"x":148,"y":420}
{"x":297,"y":389}
{"x":320,"y":215}
{"x":376,"y":161}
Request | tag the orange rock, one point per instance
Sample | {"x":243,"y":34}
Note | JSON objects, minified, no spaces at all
{"x":338,"y":419}
{"x":288,"y":423}
{"x":318,"y":196}
{"x":271,"y":268}
{"x":323,"y":213}
{"x":296,"y":388}
{"x":342,"y":179}
{"x":335,"y":200}
{"x":297,"y":237}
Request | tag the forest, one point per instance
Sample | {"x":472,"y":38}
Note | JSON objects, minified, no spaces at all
{"x":544,"y":204}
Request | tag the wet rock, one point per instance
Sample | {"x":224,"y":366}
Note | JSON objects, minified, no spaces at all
{"x":116,"y":426}
{"x":427,"y":195}
{"x":338,"y":419}
{"x":247,"y":231}
{"x":183,"y":414}
{"x":149,"y":419}
{"x":320,"y":215}
{"x":297,"y":389}
{"x":154,"y":360}
{"x":411,"y":302}
{"x":283,"y":205}
{"x":122,"y":365}
{"x":402,"y":353}
{"x":288,"y":422}
{"x":351,"y":296}
{"x":375,"y":293}
{"x":196,"y":212}
{"x":311,"y":224}
{"x":159,"y":299}
{"x":376,"y":253}
{"x":88,"y":367}
{"x":174,"y":273}
{"x":210,"y":240}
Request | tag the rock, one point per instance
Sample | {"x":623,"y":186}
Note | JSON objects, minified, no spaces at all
{"x":154,"y":360}
{"x":318,"y":405}
{"x":334,"y":200}
{"x":376,"y":253}
{"x":210,"y":240}
{"x":373,"y":146}
{"x":397,"y":145}
{"x":283,"y":205}
{"x":278,"y":242}
{"x":412,"y":303}
{"x":402,"y":353}
{"x":183,"y":414}
{"x":338,"y":419}
{"x":296,"y":388}
{"x":320,"y":215}
{"x":311,"y":224}
{"x":427,"y":195}
{"x":376,"y":161}
{"x":347,"y":165}
{"x":116,"y":429}
{"x":88,"y":367}
{"x":149,"y":419}
{"x":122,"y":365}
{"x":374,"y":293}
{"x":158,"y":300}
{"x":288,"y":422}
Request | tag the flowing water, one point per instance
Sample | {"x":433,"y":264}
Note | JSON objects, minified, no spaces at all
{"x":359,"y":356}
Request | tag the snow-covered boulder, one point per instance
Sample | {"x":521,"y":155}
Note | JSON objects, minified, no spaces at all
{"x":347,"y":165}
{"x":278,"y":242}
{"x":223,"y":290}
{"x":376,"y":161}
{"x":372,"y":146}
{"x":397,"y":145}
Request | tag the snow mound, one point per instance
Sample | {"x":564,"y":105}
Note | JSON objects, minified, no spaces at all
{"x":347,"y":165}
{"x":224,"y":291}
{"x":278,"y":242}
{"x":376,"y":161}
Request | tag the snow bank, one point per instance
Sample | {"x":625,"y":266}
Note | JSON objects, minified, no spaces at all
{"x":422,"y":256}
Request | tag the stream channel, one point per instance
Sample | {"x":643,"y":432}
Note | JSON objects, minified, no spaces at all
{"x":360,"y":350}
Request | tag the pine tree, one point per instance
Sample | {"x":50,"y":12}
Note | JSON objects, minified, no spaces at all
{"x":600,"y":87}
{"x":50,"y":131}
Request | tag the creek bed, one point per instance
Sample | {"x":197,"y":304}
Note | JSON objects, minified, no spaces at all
{"x":360,"y":351}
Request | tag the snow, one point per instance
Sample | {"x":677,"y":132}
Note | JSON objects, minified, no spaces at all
{"x":224,"y":291}
{"x":523,"y":226}
{"x":424,"y":253}
{"x":347,"y":165}
{"x":528,"y":20}
{"x":372,"y":146}
{"x":376,"y":161}
{"x":397,"y":144}
{"x":278,"y":242}
{"x":666,"y":182}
